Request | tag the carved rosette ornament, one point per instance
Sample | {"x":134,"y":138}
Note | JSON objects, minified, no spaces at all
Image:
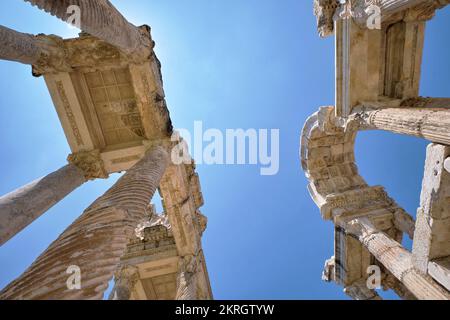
{"x":90,"y":162}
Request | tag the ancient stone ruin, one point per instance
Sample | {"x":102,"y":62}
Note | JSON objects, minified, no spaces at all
{"x":377,"y":86}
{"x":107,"y":89}
{"x":106,"y":86}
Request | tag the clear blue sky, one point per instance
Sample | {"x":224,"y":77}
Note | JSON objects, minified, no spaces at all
{"x":232,"y":64}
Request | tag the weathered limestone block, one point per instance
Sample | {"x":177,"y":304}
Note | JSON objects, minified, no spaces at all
{"x":404,"y":222}
{"x":95,"y":242}
{"x":180,"y":189}
{"x":21,"y":207}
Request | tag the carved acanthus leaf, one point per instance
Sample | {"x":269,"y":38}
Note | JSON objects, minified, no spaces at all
{"x":90,"y":162}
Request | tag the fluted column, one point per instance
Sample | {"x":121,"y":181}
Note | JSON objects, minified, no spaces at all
{"x":396,"y":259}
{"x":17,"y":46}
{"x":391,"y":282}
{"x":430,"y":123}
{"x":100,"y":19}
{"x":94,"y":243}
{"x":21,"y":207}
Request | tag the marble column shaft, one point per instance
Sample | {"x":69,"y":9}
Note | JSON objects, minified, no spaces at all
{"x":430,"y":123}
{"x":21,"y":207}
{"x":94,"y":243}
{"x":397,"y":260}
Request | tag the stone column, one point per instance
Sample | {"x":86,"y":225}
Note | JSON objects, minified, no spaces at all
{"x":125,"y":280}
{"x":100,"y":19}
{"x":94,"y":243}
{"x":396,"y":260}
{"x":17,"y":46}
{"x":391,"y":282}
{"x":21,"y":207}
{"x":42,"y":52}
{"x":432,"y":124}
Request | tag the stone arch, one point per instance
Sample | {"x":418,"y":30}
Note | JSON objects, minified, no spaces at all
{"x":328,"y":159}
{"x":341,"y":193}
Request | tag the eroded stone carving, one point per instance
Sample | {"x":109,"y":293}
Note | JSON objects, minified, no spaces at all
{"x":90,"y":162}
{"x":324,"y":11}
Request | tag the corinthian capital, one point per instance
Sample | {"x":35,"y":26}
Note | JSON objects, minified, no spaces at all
{"x":90,"y":162}
{"x":53,"y":56}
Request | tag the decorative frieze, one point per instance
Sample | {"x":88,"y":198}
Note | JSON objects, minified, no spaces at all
{"x":69,"y":114}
